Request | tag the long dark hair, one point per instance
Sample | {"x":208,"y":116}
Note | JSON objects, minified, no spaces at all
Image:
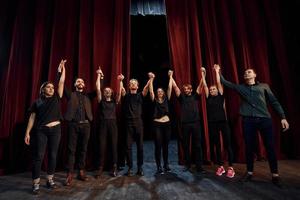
{"x":42,"y":94}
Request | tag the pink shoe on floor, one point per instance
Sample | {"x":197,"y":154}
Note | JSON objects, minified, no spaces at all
{"x":220,"y":171}
{"x":230,"y":172}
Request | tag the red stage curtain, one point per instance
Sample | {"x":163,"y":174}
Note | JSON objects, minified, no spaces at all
{"x":87,"y":33}
{"x":35,"y":35}
{"x":184,"y":41}
{"x":237,"y":35}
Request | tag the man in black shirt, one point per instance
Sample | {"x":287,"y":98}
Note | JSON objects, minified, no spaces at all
{"x":79,"y":115}
{"x":190,"y":124}
{"x":133,"y":102}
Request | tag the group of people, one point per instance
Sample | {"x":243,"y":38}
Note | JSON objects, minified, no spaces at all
{"x":45,"y":124}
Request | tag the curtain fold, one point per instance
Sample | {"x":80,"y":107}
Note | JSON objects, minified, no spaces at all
{"x":36,"y":35}
{"x":237,"y":35}
{"x":87,"y":33}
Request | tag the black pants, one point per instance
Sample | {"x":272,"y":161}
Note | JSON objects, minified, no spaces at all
{"x":108,"y":131}
{"x":162,"y":134}
{"x":78,"y":138}
{"x":192,"y":130}
{"x":134,"y":131}
{"x":214,"y":135}
{"x":39,"y":140}
{"x":250,"y":127}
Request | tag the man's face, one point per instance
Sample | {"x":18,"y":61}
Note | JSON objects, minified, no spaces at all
{"x":79,"y":83}
{"x":133,"y":84}
{"x":249,"y":74}
{"x":49,"y":90}
{"x":213,"y":91}
{"x":160,"y":93}
{"x":187,"y":90}
{"x":107,"y":92}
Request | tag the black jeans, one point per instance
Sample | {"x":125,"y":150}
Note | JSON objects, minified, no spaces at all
{"x":162,"y":134}
{"x":134,"y":131}
{"x":250,"y":127}
{"x":192,"y":130}
{"x":108,"y":131}
{"x":78,"y":138}
{"x":40,"y":139}
{"x":214,"y":135}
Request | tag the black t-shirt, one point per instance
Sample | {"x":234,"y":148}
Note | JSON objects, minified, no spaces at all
{"x":189,"y":108}
{"x":215,"y":109}
{"x":161,"y":109}
{"x":107,"y":109}
{"x":47,"y":110}
{"x":133,"y":105}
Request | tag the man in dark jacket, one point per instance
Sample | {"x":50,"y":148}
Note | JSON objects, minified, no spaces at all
{"x":78,"y":115}
{"x":256,"y":117}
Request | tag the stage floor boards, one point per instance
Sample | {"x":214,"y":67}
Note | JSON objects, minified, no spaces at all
{"x":175,"y":185}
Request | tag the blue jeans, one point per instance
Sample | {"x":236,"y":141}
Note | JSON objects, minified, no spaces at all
{"x":250,"y":127}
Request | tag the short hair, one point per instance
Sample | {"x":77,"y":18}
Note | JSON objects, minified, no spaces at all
{"x":250,"y":68}
{"x":112,"y":91}
{"x":78,"y":78}
{"x":133,"y":79}
{"x":189,"y":86}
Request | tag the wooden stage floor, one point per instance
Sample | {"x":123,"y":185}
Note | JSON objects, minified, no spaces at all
{"x":174,"y":185}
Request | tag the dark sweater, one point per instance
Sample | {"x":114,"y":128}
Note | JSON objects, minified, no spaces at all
{"x":255,"y":98}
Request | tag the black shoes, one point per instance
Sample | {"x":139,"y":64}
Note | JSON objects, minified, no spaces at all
{"x":50,"y":184}
{"x":277,"y":181}
{"x":129,"y":172}
{"x":114,"y":172}
{"x":82,"y":176}
{"x":200,"y":170}
{"x":246,"y":178}
{"x":140,"y":171}
{"x":36,"y":188}
{"x":99,"y":173}
{"x":167,"y":168}
{"x":159,"y":170}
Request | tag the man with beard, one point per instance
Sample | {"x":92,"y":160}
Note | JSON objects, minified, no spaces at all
{"x":78,"y":115}
{"x":190,"y":124}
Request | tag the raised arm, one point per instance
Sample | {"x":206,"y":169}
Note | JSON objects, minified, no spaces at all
{"x":61,"y":83}
{"x":146,"y":88}
{"x":176,"y":88}
{"x":122,"y":91}
{"x":151,"y":91}
{"x":199,"y":87}
{"x":29,"y":127}
{"x":204,"y":84}
{"x":222,"y":79}
{"x":98,"y":84}
{"x":219,"y":84}
{"x":169,"y":91}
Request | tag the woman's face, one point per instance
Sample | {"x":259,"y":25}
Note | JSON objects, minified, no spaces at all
{"x":49,"y":90}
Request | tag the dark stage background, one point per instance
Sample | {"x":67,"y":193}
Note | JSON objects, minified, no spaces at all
{"x":35,"y":35}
